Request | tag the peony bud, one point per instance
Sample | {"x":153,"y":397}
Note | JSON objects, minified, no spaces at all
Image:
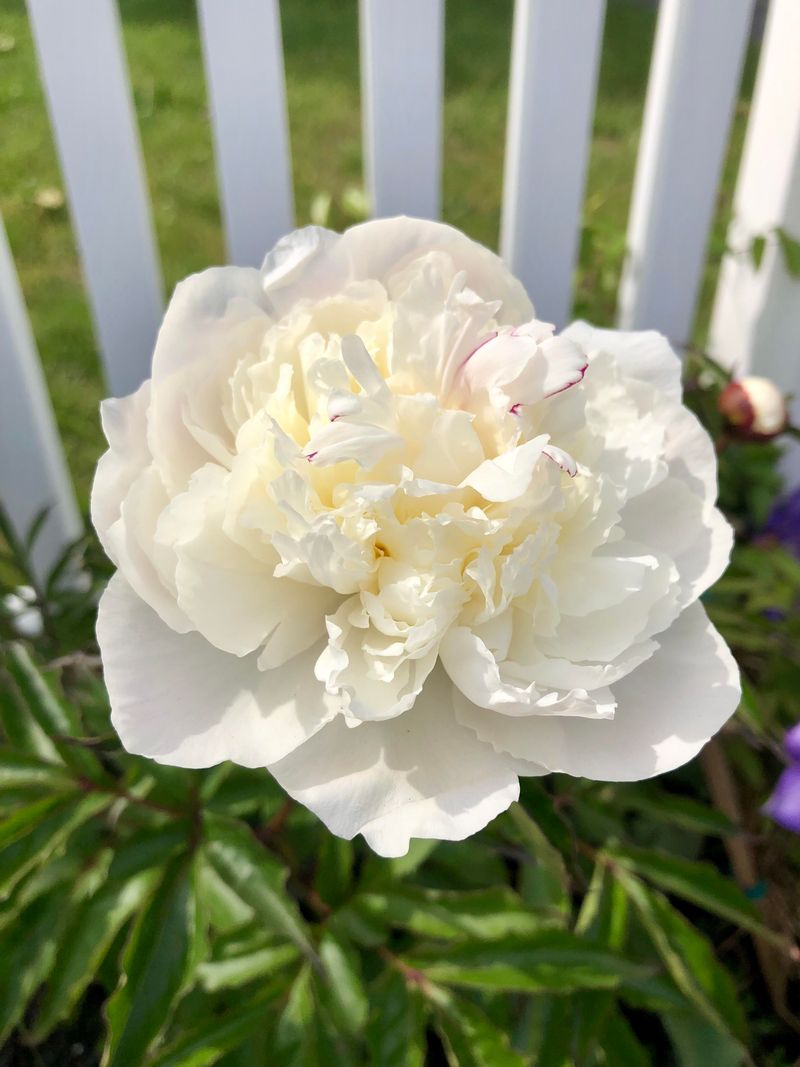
{"x":754,"y":407}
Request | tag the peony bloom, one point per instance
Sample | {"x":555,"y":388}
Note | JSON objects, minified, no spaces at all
{"x":380,"y":530}
{"x":754,"y":408}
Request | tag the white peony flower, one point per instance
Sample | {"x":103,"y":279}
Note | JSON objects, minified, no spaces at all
{"x":381,"y":531}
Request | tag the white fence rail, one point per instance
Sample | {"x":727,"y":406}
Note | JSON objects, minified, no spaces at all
{"x":556,"y":47}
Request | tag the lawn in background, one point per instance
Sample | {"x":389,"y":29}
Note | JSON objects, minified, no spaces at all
{"x":321,"y":55}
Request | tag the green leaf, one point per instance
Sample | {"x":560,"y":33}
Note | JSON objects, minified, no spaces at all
{"x":757,"y":248}
{"x":225,"y":909}
{"x":48,"y":824}
{"x":603,"y":918}
{"x":679,"y":811}
{"x":545,"y":880}
{"x":58,"y":719}
{"x":395,"y":1030}
{"x":239,"y":970}
{"x":482,"y":914}
{"x":27,"y":951}
{"x":257,"y":878}
{"x":470,"y":1038}
{"x":334,"y":874}
{"x":346,"y":998}
{"x":551,"y":961}
{"x":698,"y":1044}
{"x":21,"y":770}
{"x":149,"y":847}
{"x":688,"y":957}
{"x":19,"y":726}
{"x":302,"y":1038}
{"x":91,"y":930}
{"x":621,"y":1046}
{"x":790,"y":247}
{"x":698,"y":882}
{"x":207,"y":1043}
{"x":156,"y":965}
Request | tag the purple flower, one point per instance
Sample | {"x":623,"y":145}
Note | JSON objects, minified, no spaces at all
{"x":784,"y":804}
{"x":784,"y":522}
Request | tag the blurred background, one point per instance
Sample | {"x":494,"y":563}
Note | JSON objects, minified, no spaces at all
{"x":320,"y":43}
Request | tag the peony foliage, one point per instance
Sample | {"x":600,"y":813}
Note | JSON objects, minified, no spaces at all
{"x":185,"y":906}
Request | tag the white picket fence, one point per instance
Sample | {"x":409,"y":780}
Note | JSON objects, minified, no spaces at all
{"x":694,"y":78}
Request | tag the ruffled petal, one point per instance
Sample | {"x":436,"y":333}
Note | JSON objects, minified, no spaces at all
{"x":419,"y":775}
{"x":180,"y":701}
{"x":645,"y":355}
{"x":667,"y":709}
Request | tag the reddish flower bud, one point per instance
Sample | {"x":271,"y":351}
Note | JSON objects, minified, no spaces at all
{"x":754,"y":408}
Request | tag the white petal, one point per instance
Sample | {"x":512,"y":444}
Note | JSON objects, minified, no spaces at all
{"x":231,"y":596}
{"x":667,"y":709}
{"x":508,"y":476}
{"x":643,"y":354}
{"x":180,"y":701}
{"x":125,"y":426}
{"x":313,"y":263}
{"x":669,"y":518}
{"x":213,"y":319}
{"x":342,"y":440}
{"x":419,"y":775}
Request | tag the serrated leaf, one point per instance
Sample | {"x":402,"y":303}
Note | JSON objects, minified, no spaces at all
{"x":90,"y":932}
{"x":343,"y":984}
{"x":156,"y":964}
{"x":482,"y":914}
{"x":688,"y":957}
{"x":692,"y":880}
{"x":395,"y":1028}
{"x":554,"y":961}
{"x":236,"y":971}
{"x":257,"y":877}
{"x":207,"y":1043}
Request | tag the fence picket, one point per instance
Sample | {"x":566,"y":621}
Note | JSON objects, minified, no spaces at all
{"x":755,"y":325}
{"x":401,"y":99}
{"x":244,"y":72}
{"x":555,"y":50}
{"x":88,"y":95}
{"x":694,"y":80}
{"x":33,"y":471}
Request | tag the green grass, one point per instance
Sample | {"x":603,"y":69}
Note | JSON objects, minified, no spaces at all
{"x":321,"y":55}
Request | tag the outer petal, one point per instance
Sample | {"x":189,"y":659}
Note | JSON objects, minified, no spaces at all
{"x":643,"y":354}
{"x":179,"y":700}
{"x":419,"y":775}
{"x":213,"y":319}
{"x":125,"y":426}
{"x":666,"y":711}
{"x":312,"y":263}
